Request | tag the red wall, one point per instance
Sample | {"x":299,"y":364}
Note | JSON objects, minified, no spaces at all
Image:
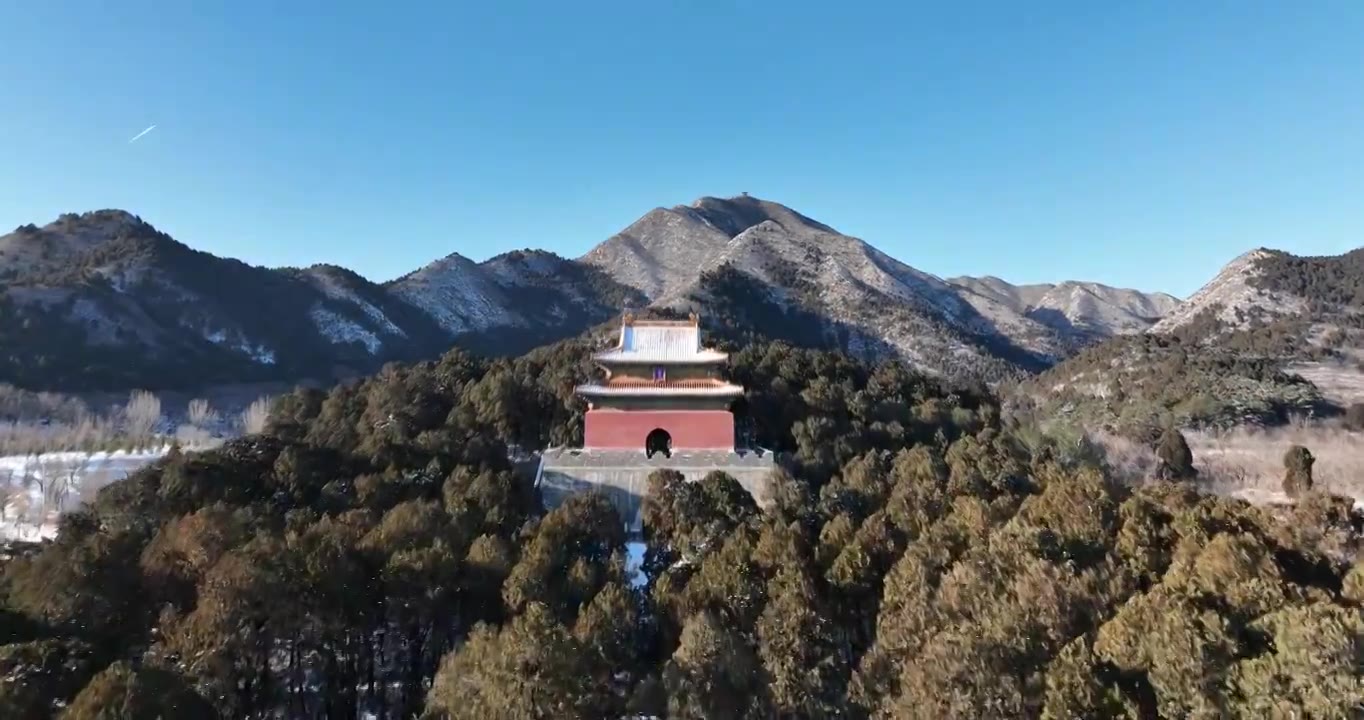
{"x":690,"y":429}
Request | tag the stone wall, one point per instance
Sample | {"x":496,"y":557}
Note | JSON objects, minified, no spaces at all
{"x":624,"y":477}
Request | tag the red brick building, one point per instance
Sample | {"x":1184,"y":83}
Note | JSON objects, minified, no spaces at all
{"x":662,"y":392}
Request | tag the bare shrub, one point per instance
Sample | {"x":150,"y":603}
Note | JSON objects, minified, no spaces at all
{"x":201,"y":414}
{"x":18,"y":404}
{"x":17,"y":506}
{"x":26,"y":438}
{"x":9,"y":492}
{"x":91,"y":433}
{"x":255,"y":416}
{"x":58,"y":475}
{"x":192,"y":436}
{"x":142,"y":414}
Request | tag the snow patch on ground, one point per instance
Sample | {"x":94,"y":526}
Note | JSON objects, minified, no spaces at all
{"x":36,"y":489}
{"x":342,"y":330}
{"x":634,"y":563}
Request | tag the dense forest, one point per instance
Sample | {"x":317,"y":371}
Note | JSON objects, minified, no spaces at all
{"x":375,"y":554}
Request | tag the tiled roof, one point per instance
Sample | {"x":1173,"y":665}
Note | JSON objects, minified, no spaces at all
{"x":624,"y":382}
{"x":662,"y":342}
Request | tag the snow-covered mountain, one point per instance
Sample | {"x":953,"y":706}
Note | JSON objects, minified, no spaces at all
{"x":104,"y":300}
{"x":1081,"y":309}
{"x":762,"y":264}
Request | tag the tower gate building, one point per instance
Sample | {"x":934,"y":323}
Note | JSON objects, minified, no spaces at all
{"x":663,"y":403}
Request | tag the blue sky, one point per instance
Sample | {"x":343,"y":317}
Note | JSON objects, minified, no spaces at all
{"x":1137,"y":144}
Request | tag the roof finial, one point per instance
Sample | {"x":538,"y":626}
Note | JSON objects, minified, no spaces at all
{"x":693,"y":318}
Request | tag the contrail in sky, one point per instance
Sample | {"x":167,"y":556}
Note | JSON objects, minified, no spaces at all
{"x":139,"y":135}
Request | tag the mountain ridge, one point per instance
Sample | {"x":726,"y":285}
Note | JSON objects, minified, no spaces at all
{"x":109,"y":276}
{"x":1270,"y":336}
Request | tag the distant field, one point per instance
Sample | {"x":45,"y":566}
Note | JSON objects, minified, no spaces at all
{"x":36,"y":423}
{"x":1247,"y":462}
{"x":36,"y":489}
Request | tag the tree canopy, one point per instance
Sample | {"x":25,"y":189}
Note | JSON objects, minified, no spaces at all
{"x":380,"y":551}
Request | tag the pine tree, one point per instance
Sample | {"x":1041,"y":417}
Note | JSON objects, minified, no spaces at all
{"x":714,"y":675}
{"x":122,"y":692}
{"x":800,"y":649}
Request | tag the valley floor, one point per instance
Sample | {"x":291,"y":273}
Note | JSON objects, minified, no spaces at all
{"x":1247,"y":462}
{"x":36,"y":489}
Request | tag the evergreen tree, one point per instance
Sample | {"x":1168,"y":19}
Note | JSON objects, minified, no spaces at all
{"x":531,"y":668}
{"x":1176,"y":460}
{"x":714,"y":675}
{"x":1297,"y":479}
{"x":122,"y":692}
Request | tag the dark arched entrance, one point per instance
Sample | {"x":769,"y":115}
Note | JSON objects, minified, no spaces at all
{"x":658,"y":441}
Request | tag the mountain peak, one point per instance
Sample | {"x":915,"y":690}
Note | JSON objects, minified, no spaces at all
{"x":736,"y":214}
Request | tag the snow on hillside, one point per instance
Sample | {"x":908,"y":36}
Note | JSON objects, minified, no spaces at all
{"x":36,"y":489}
{"x":662,"y":253}
{"x":259,"y":353}
{"x":456,"y":294}
{"x":334,"y":289}
{"x":1233,"y":297}
{"x":339,"y":329}
{"x":1070,"y":306}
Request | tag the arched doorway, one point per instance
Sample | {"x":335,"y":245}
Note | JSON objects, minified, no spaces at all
{"x":658,"y":441}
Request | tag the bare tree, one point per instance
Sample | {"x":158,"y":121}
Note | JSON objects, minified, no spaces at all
{"x":73,"y":473}
{"x":34,"y":476}
{"x":59,"y":473}
{"x":18,"y":506}
{"x":201,"y":414}
{"x":254,"y":418}
{"x":9,"y":492}
{"x":142,"y":414}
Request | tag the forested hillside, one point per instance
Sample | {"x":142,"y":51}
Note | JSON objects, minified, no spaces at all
{"x":374,"y":554}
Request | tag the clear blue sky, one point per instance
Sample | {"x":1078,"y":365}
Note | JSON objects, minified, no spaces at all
{"x":1138,"y":144}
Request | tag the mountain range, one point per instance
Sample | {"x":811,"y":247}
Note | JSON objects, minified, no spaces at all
{"x":103,"y":300}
